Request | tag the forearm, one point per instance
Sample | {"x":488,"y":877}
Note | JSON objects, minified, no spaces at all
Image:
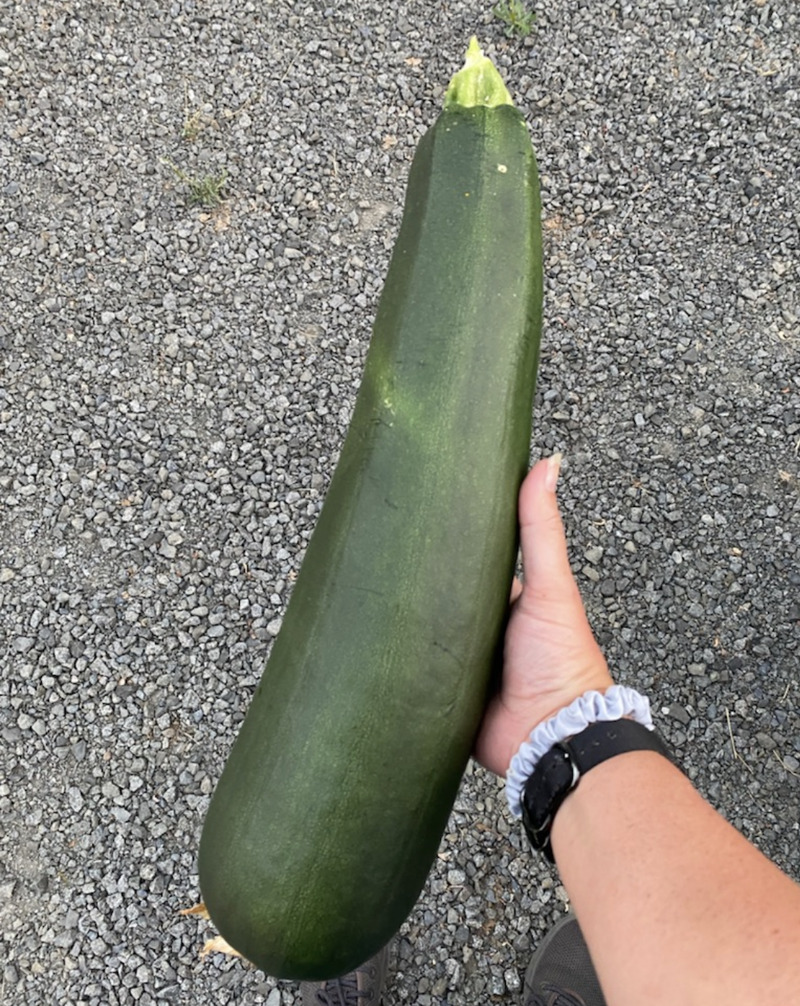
{"x":675,"y":905}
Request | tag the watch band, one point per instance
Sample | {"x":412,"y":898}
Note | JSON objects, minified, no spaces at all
{"x":615,"y":703}
{"x":560,"y":769}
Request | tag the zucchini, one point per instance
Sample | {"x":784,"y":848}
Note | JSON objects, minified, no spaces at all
{"x":331,"y":807}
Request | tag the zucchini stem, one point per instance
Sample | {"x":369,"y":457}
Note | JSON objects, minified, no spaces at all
{"x":478,"y":82}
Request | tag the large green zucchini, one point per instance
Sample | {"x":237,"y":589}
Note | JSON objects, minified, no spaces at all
{"x":331,"y":807}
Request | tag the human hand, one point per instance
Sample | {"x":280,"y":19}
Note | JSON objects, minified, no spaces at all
{"x":550,"y":655}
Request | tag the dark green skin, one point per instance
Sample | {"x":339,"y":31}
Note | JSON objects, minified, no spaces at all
{"x":337,"y":791}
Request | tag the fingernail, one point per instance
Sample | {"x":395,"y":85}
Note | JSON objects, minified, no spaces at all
{"x":551,"y":475}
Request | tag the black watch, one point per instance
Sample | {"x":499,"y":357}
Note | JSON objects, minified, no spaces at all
{"x":558,"y":771}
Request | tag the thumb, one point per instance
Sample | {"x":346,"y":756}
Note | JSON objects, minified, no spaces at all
{"x":544,"y":544}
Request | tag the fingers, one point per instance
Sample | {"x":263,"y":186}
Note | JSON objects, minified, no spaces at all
{"x":544,"y":544}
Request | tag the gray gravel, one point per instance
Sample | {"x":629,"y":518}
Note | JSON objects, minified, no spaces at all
{"x":176,"y":383}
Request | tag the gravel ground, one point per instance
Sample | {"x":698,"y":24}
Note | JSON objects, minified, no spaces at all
{"x":177,"y":381}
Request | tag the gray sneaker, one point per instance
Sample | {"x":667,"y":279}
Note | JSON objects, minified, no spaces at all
{"x":359,"y":987}
{"x":561,"y":972}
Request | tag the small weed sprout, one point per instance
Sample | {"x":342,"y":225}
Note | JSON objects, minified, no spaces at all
{"x":192,"y":127}
{"x":207,"y":191}
{"x":517,"y":18}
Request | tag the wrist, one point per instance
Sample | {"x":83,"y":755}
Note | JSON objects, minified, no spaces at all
{"x":521,"y":715}
{"x":551,"y":705}
{"x":559,"y":772}
{"x":597,"y":705}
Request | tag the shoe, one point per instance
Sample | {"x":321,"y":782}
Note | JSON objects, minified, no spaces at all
{"x":561,"y":972}
{"x":359,"y":987}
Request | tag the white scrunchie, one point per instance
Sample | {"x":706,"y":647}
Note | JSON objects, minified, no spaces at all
{"x":591,"y":707}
